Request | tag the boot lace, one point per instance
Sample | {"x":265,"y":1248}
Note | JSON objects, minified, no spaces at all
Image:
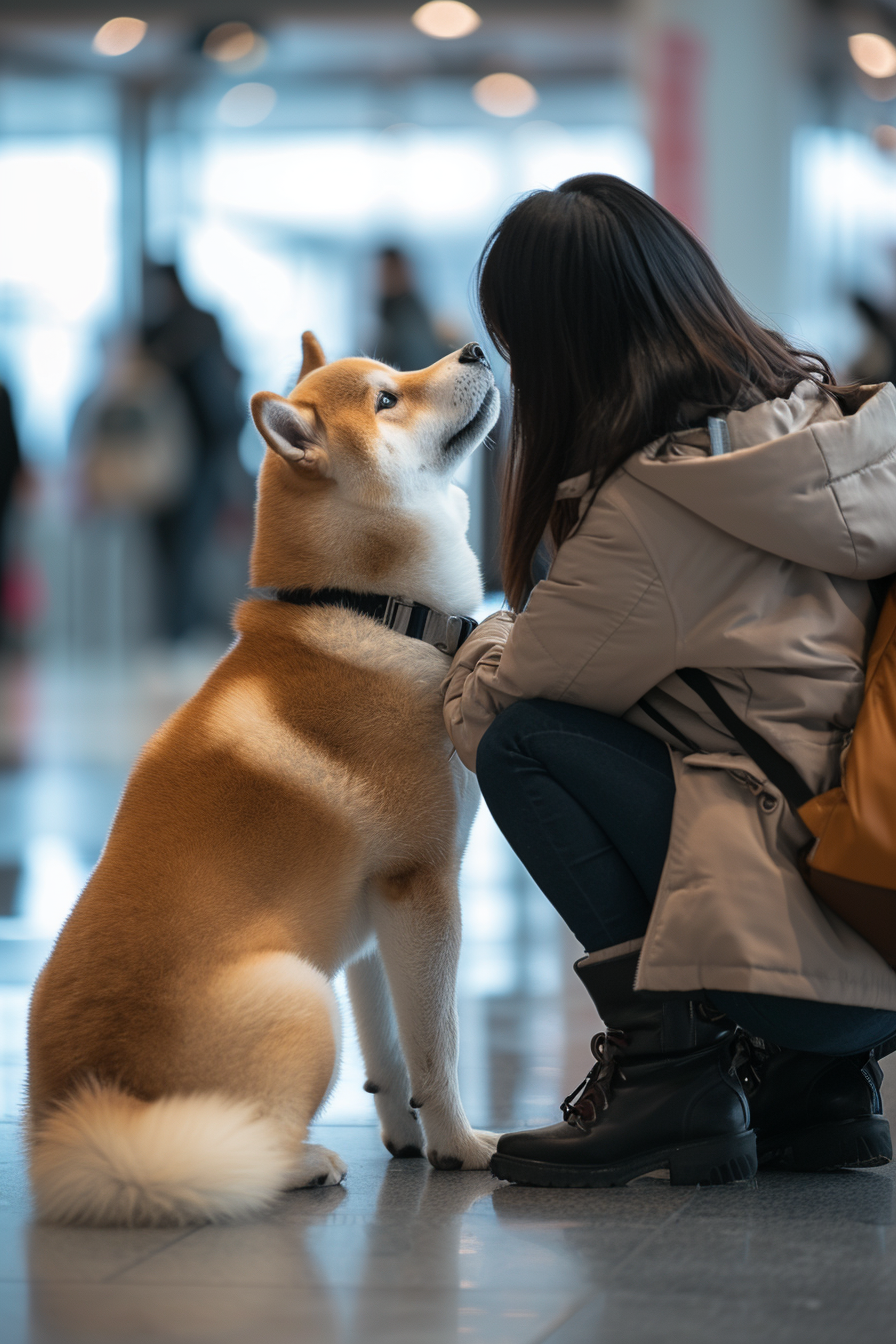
{"x":585,"y":1103}
{"x":749,"y":1056}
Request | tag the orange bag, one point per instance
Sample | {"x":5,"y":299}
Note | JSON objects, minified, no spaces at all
{"x":851,"y":865}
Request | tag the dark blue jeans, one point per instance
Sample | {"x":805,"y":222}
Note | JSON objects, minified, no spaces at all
{"x":585,"y":800}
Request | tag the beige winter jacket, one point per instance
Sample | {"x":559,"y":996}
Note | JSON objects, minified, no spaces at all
{"x":751,"y":564}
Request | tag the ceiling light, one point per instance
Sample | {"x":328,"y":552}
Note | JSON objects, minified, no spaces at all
{"x":247,"y":104}
{"x":505,"y":95}
{"x":118,"y":36}
{"x":873,"y":54}
{"x":446,"y":19}
{"x":229,"y":42}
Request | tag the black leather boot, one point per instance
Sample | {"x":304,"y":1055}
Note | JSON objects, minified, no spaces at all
{"x":662,"y":1094}
{"x":813,"y":1112}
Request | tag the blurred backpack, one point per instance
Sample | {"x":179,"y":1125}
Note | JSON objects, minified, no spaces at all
{"x":135,"y":439}
{"x":851,"y":864}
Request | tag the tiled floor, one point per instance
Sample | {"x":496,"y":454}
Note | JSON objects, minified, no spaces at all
{"x":401,"y":1253}
{"x":411,"y":1256}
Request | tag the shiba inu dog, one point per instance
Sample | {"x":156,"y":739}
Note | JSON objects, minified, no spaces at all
{"x":303,"y":812}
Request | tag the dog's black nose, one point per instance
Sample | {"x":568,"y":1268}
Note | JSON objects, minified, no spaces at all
{"x":473,"y":354}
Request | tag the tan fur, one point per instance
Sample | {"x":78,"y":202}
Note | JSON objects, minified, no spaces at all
{"x":300,"y":812}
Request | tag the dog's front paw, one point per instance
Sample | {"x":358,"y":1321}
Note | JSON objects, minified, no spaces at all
{"x":316,"y":1166}
{"x":469,"y":1152}
{"x":402,"y":1135}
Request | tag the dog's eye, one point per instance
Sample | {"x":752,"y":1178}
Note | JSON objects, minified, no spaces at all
{"x":385,"y":401}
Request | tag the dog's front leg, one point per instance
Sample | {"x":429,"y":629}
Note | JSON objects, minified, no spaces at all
{"x":417,"y":919}
{"x":387,"y":1074}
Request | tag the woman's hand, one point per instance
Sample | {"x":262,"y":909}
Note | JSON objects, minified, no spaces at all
{"x":481,"y":651}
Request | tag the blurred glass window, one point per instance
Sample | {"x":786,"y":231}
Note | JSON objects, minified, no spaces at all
{"x":59,"y":257}
{"x":843,"y":236}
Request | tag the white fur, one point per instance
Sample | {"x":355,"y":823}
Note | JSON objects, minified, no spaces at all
{"x":449,"y":577}
{"x":316,"y":1165}
{"x":419,"y":944}
{"x":446,"y":575}
{"x":105,"y":1159}
{"x":378,"y":1036}
{"x":272,"y":987}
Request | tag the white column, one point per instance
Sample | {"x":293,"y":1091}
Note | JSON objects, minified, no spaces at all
{"x":723,"y":89}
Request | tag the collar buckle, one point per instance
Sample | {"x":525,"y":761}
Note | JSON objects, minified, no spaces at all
{"x":397,"y":615}
{"x":446,"y":633}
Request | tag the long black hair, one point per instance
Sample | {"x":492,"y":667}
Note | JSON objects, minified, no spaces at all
{"x":618,"y":328}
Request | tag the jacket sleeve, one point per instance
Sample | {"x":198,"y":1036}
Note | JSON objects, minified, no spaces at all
{"x":598,"y":631}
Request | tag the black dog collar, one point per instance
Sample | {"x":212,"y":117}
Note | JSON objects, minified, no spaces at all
{"x":445,"y":633}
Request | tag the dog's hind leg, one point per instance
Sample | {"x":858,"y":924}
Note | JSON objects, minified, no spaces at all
{"x":387,"y":1073}
{"x":239,"y":1082}
{"x":267,"y":1029}
{"x":417,"y":919}
{"x":315,"y":1166}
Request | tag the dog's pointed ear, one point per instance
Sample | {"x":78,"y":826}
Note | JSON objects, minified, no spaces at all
{"x":290,"y":431}
{"x":312,"y":355}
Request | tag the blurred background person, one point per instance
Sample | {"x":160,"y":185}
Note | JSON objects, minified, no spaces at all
{"x":876,"y":361}
{"x":186,"y":343}
{"x":133,"y":461}
{"x":406,"y":336}
{"x":11,"y":475}
{"x":134,"y":437}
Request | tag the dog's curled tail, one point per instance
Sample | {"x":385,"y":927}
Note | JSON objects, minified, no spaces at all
{"x":104,"y":1158}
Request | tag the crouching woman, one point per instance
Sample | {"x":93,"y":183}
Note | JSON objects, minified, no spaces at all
{"x":715,"y":502}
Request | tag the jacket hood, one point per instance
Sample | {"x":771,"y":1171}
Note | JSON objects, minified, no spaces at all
{"x":807,"y":478}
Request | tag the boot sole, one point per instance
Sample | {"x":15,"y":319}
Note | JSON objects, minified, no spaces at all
{"x":709,"y":1162}
{"x":850,"y":1143}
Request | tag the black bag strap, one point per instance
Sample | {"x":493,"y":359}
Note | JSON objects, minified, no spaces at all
{"x":664,"y":723}
{"x":775,"y":766}
{"x":879,"y":589}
